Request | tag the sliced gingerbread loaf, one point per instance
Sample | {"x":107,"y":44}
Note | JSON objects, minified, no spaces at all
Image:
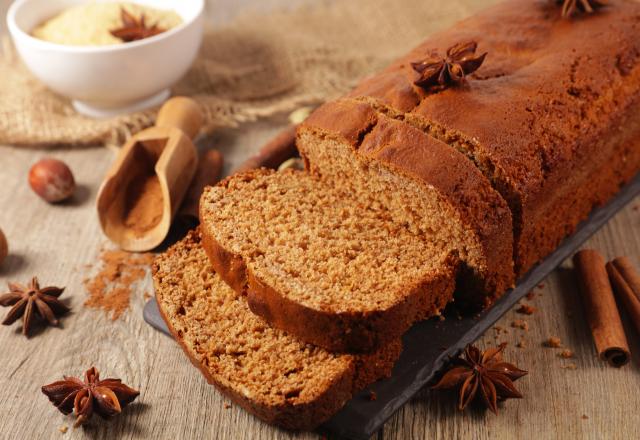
{"x":270,"y":374}
{"x":550,"y":117}
{"x":326,"y":263}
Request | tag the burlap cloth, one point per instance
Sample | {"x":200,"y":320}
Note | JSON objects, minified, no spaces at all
{"x":256,"y":66}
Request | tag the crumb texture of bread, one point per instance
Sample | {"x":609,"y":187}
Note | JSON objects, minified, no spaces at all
{"x":550,"y":118}
{"x":324,"y":262}
{"x":279,"y":379}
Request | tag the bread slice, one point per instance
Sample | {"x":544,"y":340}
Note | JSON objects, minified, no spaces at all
{"x":423,"y":183}
{"x":270,"y":374}
{"x":326,"y":263}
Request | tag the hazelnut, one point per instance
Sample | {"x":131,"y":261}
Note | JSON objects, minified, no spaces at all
{"x":4,"y":247}
{"x":52,"y":180}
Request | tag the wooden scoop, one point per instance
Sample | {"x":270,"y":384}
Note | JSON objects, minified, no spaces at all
{"x":145,"y":186}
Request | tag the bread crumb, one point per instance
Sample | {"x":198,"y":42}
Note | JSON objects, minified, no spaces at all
{"x":570,"y":366}
{"x":63,"y":429}
{"x":585,"y":417}
{"x":530,"y":295}
{"x":566,"y":354}
{"x":526,"y":309}
{"x":227,"y":405}
{"x":553,"y":342}
{"x":521,"y":343}
{"x":521,"y":324}
{"x":499,"y":329}
{"x":146,"y":295}
{"x":373,"y":396}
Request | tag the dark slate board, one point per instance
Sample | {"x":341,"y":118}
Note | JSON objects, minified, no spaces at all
{"x":423,"y":355}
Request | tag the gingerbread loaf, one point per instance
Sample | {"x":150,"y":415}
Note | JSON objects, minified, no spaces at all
{"x":496,"y":170}
{"x":550,"y":118}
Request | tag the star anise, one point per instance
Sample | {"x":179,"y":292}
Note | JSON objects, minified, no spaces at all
{"x":134,"y":28}
{"x":486,"y":372}
{"x":569,"y":7}
{"x":30,"y":301}
{"x":105,"y":397}
{"x":436,"y":72}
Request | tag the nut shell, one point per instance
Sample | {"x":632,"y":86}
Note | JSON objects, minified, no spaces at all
{"x":295,"y":162}
{"x":4,"y":247}
{"x":299,"y":115}
{"x":52,"y":180}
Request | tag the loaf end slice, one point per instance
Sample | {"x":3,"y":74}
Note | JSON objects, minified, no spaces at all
{"x":270,"y":374}
{"x":425,"y":185}
{"x":320,"y":261}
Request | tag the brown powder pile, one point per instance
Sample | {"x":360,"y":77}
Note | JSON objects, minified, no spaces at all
{"x":143,"y":204}
{"x":110,"y":289}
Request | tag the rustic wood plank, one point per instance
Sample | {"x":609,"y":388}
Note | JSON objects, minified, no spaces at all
{"x":55,"y":242}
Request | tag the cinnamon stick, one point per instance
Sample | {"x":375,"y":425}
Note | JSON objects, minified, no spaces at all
{"x":626,"y":285}
{"x":276,"y":151}
{"x":208,"y":173}
{"x":600,"y":307}
{"x":629,"y":273}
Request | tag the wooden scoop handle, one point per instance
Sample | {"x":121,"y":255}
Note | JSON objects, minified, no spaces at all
{"x":183,"y":113}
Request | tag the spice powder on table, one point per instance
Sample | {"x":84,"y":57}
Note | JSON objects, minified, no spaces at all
{"x":111,"y":288}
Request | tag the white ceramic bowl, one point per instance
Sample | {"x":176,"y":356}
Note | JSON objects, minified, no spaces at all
{"x":107,"y":80}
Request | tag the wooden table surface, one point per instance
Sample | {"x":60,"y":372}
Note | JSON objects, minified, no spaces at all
{"x":55,"y":243}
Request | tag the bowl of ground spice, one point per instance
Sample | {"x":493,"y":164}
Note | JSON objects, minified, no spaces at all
{"x":108,"y":57}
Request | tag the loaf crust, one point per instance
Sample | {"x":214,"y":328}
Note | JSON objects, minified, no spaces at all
{"x":172,"y":280}
{"x":548,"y":108}
{"x":349,"y":331}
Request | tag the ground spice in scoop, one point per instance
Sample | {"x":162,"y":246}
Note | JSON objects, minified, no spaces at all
{"x":111,"y":288}
{"x":143,"y":204}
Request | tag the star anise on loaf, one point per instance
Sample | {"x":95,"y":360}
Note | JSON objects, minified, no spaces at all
{"x":486,"y":372}
{"x":569,"y":7}
{"x":105,"y":397}
{"x":436,"y":72}
{"x":32,"y":301}
{"x":134,"y":28}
